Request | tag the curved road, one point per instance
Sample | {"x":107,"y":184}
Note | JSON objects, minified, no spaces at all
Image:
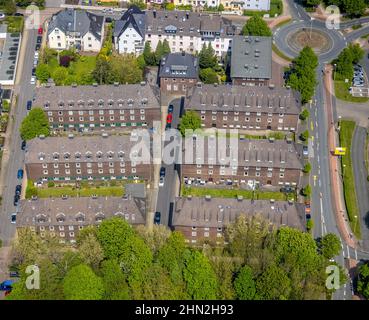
{"x":324,"y":218}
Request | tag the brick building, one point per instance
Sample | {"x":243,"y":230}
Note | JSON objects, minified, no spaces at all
{"x":83,"y":158}
{"x":207,"y":218}
{"x":64,"y":218}
{"x":259,"y":162}
{"x":243,"y":107}
{"x":251,"y":60}
{"x":178,"y":73}
{"x":94,"y":107}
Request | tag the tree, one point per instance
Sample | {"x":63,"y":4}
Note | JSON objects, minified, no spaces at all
{"x":42,"y":72}
{"x":256,"y":26}
{"x":154,"y":238}
{"x":220,"y":7}
{"x":306,"y":191}
{"x":312,"y":3}
{"x":330,"y":246}
{"x":115,"y":284}
{"x":125,"y":69}
{"x":207,"y":57}
{"x":273,"y":284}
{"x":304,"y":136}
{"x":103,"y":71}
{"x":304,"y":114}
{"x":170,"y":6}
{"x":190,"y":121}
{"x":166,"y":48}
{"x":81,"y":283}
{"x":149,"y":56}
{"x":139,"y":3}
{"x":244,"y":284}
{"x":8,"y":6}
{"x":307,"y":168}
{"x":34,"y":125}
{"x":363,"y":280}
{"x":357,"y":52}
{"x":208,"y":76}
{"x":91,"y":251}
{"x":353,"y":8}
{"x":309,"y":225}
{"x":200,"y":279}
{"x":60,"y":75}
{"x":158,"y":52}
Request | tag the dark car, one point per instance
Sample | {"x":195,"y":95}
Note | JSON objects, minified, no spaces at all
{"x":18,"y":189}
{"x":39,"y":39}
{"x":308,"y":216}
{"x":17,"y":14}
{"x":20,"y":174}
{"x":170,"y":108}
{"x":287,"y":189}
{"x":29,"y":105}
{"x":157,"y":217}
{"x":16,"y":199}
{"x":38,"y":46}
{"x":108,"y":20}
{"x":168,"y":126}
{"x":33,"y":71}
{"x":23,"y":145}
{"x":162,"y":172}
{"x":14,"y":274}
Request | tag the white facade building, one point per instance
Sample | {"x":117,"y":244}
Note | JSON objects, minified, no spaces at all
{"x":76,"y":29}
{"x":262,"y":5}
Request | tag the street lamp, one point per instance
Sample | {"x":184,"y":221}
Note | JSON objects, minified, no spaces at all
{"x":334,"y":74}
{"x":311,"y":25}
{"x":355,"y":221}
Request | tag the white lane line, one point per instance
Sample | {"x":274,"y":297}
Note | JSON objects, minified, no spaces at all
{"x":318,"y":158}
{"x":343,"y":253}
{"x":320,"y":184}
{"x":316,"y":124}
{"x":348,"y":251}
{"x":321,"y":217}
{"x":355,"y":254}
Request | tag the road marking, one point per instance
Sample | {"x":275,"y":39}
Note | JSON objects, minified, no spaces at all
{"x":314,"y":181}
{"x":321,"y":214}
{"x":348,"y":251}
{"x":343,"y":253}
{"x":355,"y":254}
{"x":311,"y":126}
{"x":316,"y":124}
{"x":316,"y":111}
{"x":318,"y":158}
{"x":320,"y":183}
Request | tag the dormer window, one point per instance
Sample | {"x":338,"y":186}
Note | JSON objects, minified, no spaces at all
{"x":77,"y":155}
{"x":99,"y":217}
{"x":144,"y":101}
{"x":61,"y":104}
{"x":91,"y":103}
{"x":99,"y":154}
{"x":120,"y":102}
{"x":56,"y":156}
{"x":60,"y":217}
{"x":88,"y":155}
{"x":110,"y":154}
{"x":110,"y":102}
{"x":71,"y":103}
{"x":66,"y":155}
{"x":130,"y":102}
{"x":101,"y":103}
{"x":81,"y":103}
{"x":47,"y":105}
{"x":80,"y":217}
{"x":41,"y":218}
{"x":41,"y":156}
{"x":121,"y":154}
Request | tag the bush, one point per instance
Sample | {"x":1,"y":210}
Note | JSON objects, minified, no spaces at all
{"x":304,"y":136}
{"x":306,"y":192}
{"x":304,"y":114}
{"x":51,"y":184}
{"x":307,"y":168}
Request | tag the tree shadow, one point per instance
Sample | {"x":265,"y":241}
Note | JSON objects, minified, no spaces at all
{"x":366,"y":219}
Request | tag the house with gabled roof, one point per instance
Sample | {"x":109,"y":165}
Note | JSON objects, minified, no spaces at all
{"x":73,"y":28}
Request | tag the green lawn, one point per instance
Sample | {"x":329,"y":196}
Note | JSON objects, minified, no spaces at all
{"x":84,"y":191}
{"x":282,"y":23}
{"x":341,"y":90}
{"x":15,"y":24}
{"x":276,"y":8}
{"x":346,"y":132}
{"x":280,"y":53}
{"x":233,"y":193}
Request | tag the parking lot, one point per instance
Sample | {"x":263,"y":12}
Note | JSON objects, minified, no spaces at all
{"x":359,"y":79}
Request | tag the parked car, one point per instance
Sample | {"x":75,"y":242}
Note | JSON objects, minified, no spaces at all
{"x":169,"y":118}
{"x":305,"y":151}
{"x":37,"y":47}
{"x":23,"y":145}
{"x":39,"y":40}
{"x":20,"y":174}
{"x":6,"y":285}
{"x":40,"y":30}
{"x":287,"y":189}
{"x":17,"y":14}
{"x":34,"y":72}
{"x":162,"y":172}
{"x":36,"y":55}
{"x":14,"y":274}
{"x":35,"y":62}
{"x":2,"y":15}
{"x":108,"y":20}
{"x":13,"y":218}
{"x":161,"y":181}
{"x":29,"y":105}
{"x":18,"y":189}
{"x":170,"y":108}
{"x":33,"y":80}
{"x":16,"y":199}
{"x":157,"y":217}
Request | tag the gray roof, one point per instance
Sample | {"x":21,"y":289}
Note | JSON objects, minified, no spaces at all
{"x":74,"y":20}
{"x":256,"y":153}
{"x":187,"y":23}
{"x":58,"y":211}
{"x":10,"y":51}
{"x":179,"y":65}
{"x":132,"y":18}
{"x":251,"y":57}
{"x":80,"y":149}
{"x":244,"y":98}
{"x":130,"y":96}
{"x":218,"y":212}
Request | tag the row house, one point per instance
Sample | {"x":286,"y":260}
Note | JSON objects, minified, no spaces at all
{"x":246,"y":107}
{"x":178,"y":73}
{"x":65,"y":217}
{"x":206,"y":219}
{"x":184,"y":31}
{"x":94,"y":107}
{"x":251,"y":162}
{"x":78,"y":29}
{"x":229,"y":5}
{"x":84,"y":158}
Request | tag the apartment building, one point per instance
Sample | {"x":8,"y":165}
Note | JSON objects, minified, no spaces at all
{"x":184,"y":31}
{"x":77,"y":29}
{"x":99,"y":107}
{"x":206,"y":219}
{"x":246,"y":107}
{"x":253,"y":163}
{"x":251,"y":60}
{"x":64,"y":218}
{"x":178,"y":73}
{"x":84,"y":158}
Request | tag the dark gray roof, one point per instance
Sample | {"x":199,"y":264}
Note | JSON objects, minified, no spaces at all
{"x":74,"y":20}
{"x":10,"y":52}
{"x":187,"y":23}
{"x":244,"y":98}
{"x":219,"y":212}
{"x":256,"y":153}
{"x":103,"y":96}
{"x":251,"y":57}
{"x":80,"y":149}
{"x":134,"y":18}
{"x":57,"y":211}
{"x":179,"y":65}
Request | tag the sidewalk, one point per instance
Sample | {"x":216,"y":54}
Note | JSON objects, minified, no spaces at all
{"x":336,"y":186}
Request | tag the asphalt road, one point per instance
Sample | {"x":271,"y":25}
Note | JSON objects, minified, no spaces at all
{"x":16,"y":161}
{"x":166,"y":193}
{"x":361,"y":182}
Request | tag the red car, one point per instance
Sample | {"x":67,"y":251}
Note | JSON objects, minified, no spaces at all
{"x":40,"y":30}
{"x":169,"y":118}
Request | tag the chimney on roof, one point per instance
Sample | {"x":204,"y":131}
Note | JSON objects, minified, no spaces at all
{"x":74,"y":85}
{"x":154,"y":14}
{"x":42,"y":136}
{"x":189,"y":197}
{"x":271,"y":86}
{"x":199,"y":84}
{"x":95,"y":84}
{"x":239,"y":198}
{"x":208,"y":197}
{"x":187,"y":15}
{"x":116,"y":84}
{"x":105,"y":135}
{"x":143,"y":83}
{"x":70,"y":135}
{"x":183,"y":53}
